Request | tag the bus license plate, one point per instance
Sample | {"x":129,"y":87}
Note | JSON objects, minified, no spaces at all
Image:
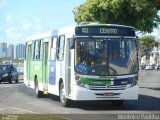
{"x":108,"y":94}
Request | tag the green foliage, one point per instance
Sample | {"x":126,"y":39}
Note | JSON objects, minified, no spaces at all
{"x":147,"y":42}
{"x":141,"y":14}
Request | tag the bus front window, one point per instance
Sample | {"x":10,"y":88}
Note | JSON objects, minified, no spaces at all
{"x":122,"y":56}
{"x":91,"y":56}
{"x":101,"y":56}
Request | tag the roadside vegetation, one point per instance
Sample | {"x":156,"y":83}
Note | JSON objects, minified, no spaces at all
{"x":141,"y":14}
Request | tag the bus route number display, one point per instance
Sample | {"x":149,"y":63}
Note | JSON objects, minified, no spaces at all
{"x":104,"y":30}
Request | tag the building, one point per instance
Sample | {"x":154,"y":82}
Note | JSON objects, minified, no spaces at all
{"x":3,"y":49}
{"x":10,"y":51}
{"x":151,"y":57}
{"x":20,"y":51}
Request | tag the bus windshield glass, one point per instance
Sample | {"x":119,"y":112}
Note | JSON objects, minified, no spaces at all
{"x":106,"y":56}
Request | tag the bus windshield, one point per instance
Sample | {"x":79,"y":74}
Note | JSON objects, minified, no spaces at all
{"x":106,"y":56}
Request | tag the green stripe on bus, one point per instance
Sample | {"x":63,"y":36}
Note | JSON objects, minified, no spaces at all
{"x":93,"y":81}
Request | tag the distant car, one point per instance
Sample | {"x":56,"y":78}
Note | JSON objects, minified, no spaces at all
{"x":149,"y":67}
{"x":143,"y":66}
{"x":20,"y":70}
{"x":8,"y":73}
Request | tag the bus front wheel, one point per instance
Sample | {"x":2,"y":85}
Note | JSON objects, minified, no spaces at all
{"x":65,"y":102}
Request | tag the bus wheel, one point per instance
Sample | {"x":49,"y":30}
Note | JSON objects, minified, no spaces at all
{"x":39,"y":93}
{"x":63,"y":99}
{"x":117,"y":103}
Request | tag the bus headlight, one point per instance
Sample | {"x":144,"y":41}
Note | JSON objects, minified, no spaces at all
{"x":77,"y":78}
{"x":79,"y":82}
{"x":134,"y":81}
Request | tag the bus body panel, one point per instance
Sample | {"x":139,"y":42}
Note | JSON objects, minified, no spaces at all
{"x":80,"y":93}
{"x":51,"y":71}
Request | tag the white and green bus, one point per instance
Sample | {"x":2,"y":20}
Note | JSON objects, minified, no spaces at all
{"x":84,"y":63}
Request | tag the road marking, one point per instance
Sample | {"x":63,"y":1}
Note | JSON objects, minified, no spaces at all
{"x":6,"y":86}
{"x":14,"y":108}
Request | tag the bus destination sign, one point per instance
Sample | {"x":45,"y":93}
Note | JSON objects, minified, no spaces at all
{"x":104,"y":30}
{"x":108,"y":30}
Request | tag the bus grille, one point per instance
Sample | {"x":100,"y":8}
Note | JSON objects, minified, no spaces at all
{"x":111,"y":87}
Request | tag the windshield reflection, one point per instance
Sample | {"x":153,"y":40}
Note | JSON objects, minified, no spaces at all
{"x":101,"y":56}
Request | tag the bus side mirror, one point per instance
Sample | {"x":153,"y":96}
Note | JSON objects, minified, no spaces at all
{"x":72,"y":43}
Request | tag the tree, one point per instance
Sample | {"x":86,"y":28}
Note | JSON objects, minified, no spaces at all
{"x":141,"y":14}
{"x":147,"y":42}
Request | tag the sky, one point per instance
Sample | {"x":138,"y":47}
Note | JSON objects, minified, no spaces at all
{"x":22,"y":18}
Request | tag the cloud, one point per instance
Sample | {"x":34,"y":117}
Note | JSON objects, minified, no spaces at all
{"x":13,"y":34}
{"x":1,"y":28}
{"x":4,"y":3}
{"x":8,"y":17}
{"x":17,"y":33}
{"x":32,"y":26}
{"x":26,"y":25}
{"x":37,"y":24}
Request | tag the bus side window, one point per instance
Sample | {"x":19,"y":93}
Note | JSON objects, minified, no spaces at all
{"x":36,"y":50}
{"x":29,"y":52}
{"x":39,"y":50}
{"x":60,"y":48}
{"x":33,"y":47}
{"x":53,"y":48}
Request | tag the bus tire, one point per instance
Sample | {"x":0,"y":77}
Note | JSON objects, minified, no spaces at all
{"x":117,"y":103}
{"x":65,"y":102}
{"x":39,"y":93}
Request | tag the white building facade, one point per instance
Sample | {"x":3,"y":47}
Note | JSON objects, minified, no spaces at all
{"x":3,"y":49}
{"x":20,"y":51}
{"x":10,"y":51}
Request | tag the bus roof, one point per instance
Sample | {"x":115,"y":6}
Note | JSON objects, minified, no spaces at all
{"x":52,"y":33}
{"x":42,"y":35}
{"x":100,"y":24}
{"x":71,"y":30}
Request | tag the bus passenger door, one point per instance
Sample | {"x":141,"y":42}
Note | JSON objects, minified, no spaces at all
{"x":69,"y":56}
{"x":45,"y":67}
{"x":28,"y":57}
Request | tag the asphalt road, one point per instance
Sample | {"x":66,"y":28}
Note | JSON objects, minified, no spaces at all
{"x":19,"y":99}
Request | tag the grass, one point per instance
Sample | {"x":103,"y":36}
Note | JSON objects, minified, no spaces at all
{"x":33,"y":117}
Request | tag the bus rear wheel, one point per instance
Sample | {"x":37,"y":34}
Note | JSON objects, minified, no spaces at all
{"x":39,"y":93}
{"x":117,"y":103}
{"x":65,"y":102}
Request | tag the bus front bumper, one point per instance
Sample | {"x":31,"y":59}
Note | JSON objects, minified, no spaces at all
{"x":80,"y":93}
